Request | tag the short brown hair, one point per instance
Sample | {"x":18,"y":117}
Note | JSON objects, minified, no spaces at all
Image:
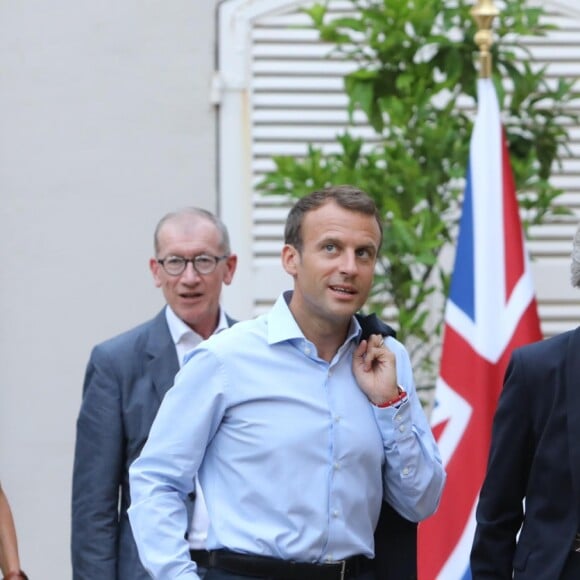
{"x":346,"y":196}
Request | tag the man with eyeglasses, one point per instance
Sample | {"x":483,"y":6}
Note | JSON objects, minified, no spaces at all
{"x":126,"y":379}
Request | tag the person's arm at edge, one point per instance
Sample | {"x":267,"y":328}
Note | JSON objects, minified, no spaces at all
{"x":97,"y":472}
{"x":9,"y":558}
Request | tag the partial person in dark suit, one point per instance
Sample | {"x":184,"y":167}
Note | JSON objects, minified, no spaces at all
{"x":126,"y":379}
{"x":528,"y":515}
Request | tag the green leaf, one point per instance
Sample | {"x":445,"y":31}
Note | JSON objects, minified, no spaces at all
{"x":413,"y":75}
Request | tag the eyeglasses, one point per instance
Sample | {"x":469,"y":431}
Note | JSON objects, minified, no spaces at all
{"x":202,"y":264}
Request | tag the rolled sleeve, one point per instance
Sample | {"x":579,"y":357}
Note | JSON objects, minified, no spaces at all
{"x":413,"y":473}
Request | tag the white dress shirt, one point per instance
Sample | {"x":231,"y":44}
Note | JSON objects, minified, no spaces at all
{"x":185,"y":340}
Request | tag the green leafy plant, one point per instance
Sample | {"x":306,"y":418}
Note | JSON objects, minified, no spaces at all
{"x":414,"y":78}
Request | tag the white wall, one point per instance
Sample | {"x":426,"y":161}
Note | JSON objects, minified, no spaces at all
{"x":105,"y":124}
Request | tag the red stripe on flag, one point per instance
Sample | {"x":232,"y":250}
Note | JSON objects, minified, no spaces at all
{"x":470,"y":376}
{"x":512,"y":230}
{"x":479,"y":383}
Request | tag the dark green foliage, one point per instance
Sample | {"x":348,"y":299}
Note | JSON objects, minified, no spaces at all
{"x":415,"y":80}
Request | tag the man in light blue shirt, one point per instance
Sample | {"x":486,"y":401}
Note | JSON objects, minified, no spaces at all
{"x":300,"y":431}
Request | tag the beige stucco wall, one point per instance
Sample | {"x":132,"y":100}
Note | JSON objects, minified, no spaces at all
{"x":105,"y":124}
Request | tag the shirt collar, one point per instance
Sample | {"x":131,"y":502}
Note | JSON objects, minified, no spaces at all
{"x":283,"y":326}
{"x":180,"y":331}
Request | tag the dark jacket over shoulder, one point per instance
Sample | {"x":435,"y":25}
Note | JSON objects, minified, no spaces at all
{"x":395,"y":546}
{"x":395,"y":536}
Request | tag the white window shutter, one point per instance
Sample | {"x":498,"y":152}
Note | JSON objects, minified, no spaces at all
{"x":279,"y":91}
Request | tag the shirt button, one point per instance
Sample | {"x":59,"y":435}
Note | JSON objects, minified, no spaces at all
{"x":337,"y":465}
{"x":306,"y":350}
{"x":402,"y":428}
{"x":398,"y":418}
{"x":405,"y":471}
{"x":335,"y":514}
{"x":337,"y":419}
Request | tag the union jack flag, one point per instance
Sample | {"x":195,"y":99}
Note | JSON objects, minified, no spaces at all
{"x":491,"y":309}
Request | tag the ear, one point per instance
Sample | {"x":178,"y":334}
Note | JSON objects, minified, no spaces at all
{"x":154,"y":266}
{"x":290,"y":259}
{"x":231,"y":264}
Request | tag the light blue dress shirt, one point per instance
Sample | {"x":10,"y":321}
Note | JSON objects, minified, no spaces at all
{"x":293,"y":458}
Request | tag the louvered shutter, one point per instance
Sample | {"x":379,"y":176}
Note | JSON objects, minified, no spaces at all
{"x":289,"y":93}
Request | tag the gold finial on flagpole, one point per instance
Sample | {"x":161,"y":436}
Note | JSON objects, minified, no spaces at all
{"x":483,"y":14}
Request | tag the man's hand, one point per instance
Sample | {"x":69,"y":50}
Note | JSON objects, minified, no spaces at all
{"x":375,"y":370}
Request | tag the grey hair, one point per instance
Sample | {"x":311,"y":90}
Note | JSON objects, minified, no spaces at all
{"x":575,"y":266}
{"x":196,"y":212}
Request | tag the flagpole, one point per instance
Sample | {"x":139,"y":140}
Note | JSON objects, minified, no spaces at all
{"x":483,"y":14}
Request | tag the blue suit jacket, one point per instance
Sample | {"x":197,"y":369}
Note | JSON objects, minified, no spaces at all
{"x":535,"y":453}
{"x":126,"y":379}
